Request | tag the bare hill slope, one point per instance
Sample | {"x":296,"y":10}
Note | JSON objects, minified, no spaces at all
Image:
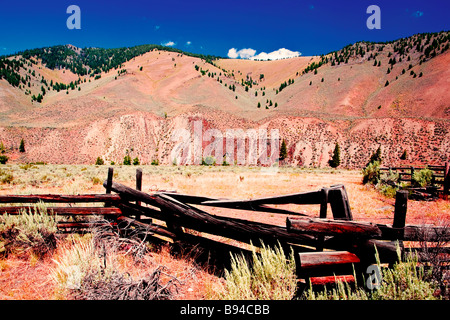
{"x":365,"y":95}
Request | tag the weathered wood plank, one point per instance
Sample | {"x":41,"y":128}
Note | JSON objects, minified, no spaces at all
{"x":250,"y":205}
{"x":186,"y":198}
{"x":241,"y":230}
{"x":194,"y":218}
{"x":327,"y":280}
{"x":130,"y":194}
{"x":332,"y":227}
{"x":66,"y":211}
{"x":134,"y":209}
{"x":314,"y":197}
{"x":310,"y":260}
{"x":55,"y":198}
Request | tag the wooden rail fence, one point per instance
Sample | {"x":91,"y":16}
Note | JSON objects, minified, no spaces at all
{"x":440,"y":177}
{"x":326,"y":247}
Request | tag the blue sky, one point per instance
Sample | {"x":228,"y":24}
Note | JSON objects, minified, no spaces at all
{"x":311,"y":27}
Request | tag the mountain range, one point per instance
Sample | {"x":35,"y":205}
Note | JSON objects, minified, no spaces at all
{"x":72,"y":105}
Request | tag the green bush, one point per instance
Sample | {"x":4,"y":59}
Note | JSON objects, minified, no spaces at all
{"x":3,"y":159}
{"x":6,"y":178}
{"x":390,"y":178}
{"x":270,"y":276}
{"x":99,"y":162}
{"x":209,"y":161}
{"x":405,"y":281}
{"x":388,"y":184}
{"x":387,"y":190}
{"x":371,"y":173}
{"x":422,"y":178}
{"x":127,"y":160}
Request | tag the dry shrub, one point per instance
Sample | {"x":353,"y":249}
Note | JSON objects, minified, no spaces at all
{"x":271,"y":276}
{"x":435,"y":258}
{"x":90,"y":269}
{"x":121,"y":286}
{"x":406,"y":280}
{"x":31,"y":232}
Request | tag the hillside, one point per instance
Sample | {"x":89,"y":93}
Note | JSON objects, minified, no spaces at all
{"x":72,"y":105}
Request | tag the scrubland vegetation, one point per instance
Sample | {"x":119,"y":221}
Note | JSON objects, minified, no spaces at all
{"x":39,"y":263}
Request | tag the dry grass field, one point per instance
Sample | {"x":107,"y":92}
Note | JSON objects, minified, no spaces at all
{"x":28,"y":277}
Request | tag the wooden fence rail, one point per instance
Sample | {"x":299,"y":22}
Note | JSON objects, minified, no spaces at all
{"x":324,"y":245}
{"x":440,"y":176}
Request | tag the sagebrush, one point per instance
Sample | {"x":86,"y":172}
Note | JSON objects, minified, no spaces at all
{"x":269,"y":276}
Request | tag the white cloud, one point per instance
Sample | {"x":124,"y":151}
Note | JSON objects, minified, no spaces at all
{"x":243,"y":53}
{"x":250,"y":54}
{"x":168,"y":44}
{"x":188,"y":43}
{"x":232,"y":53}
{"x":246,"y":53}
{"x":282,"y":53}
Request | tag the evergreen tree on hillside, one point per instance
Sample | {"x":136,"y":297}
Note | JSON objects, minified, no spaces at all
{"x":335,"y":161}
{"x":376,"y":156}
{"x":22,"y":146}
{"x":404,"y":155}
{"x":283,"y":151}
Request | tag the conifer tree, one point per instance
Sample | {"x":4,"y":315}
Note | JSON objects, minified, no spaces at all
{"x":335,"y":161}
{"x":283,"y":150}
{"x":22,"y":146}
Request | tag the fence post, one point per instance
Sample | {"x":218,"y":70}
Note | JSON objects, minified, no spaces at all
{"x":446,"y":180}
{"x":138,"y":182}
{"x":340,"y":206}
{"x":324,"y":203}
{"x":138,"y":187}
{"x":401,"y":206}
{"x":323,"y":215}
{"x":412,"y":174}
{"x":109,"y":184}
